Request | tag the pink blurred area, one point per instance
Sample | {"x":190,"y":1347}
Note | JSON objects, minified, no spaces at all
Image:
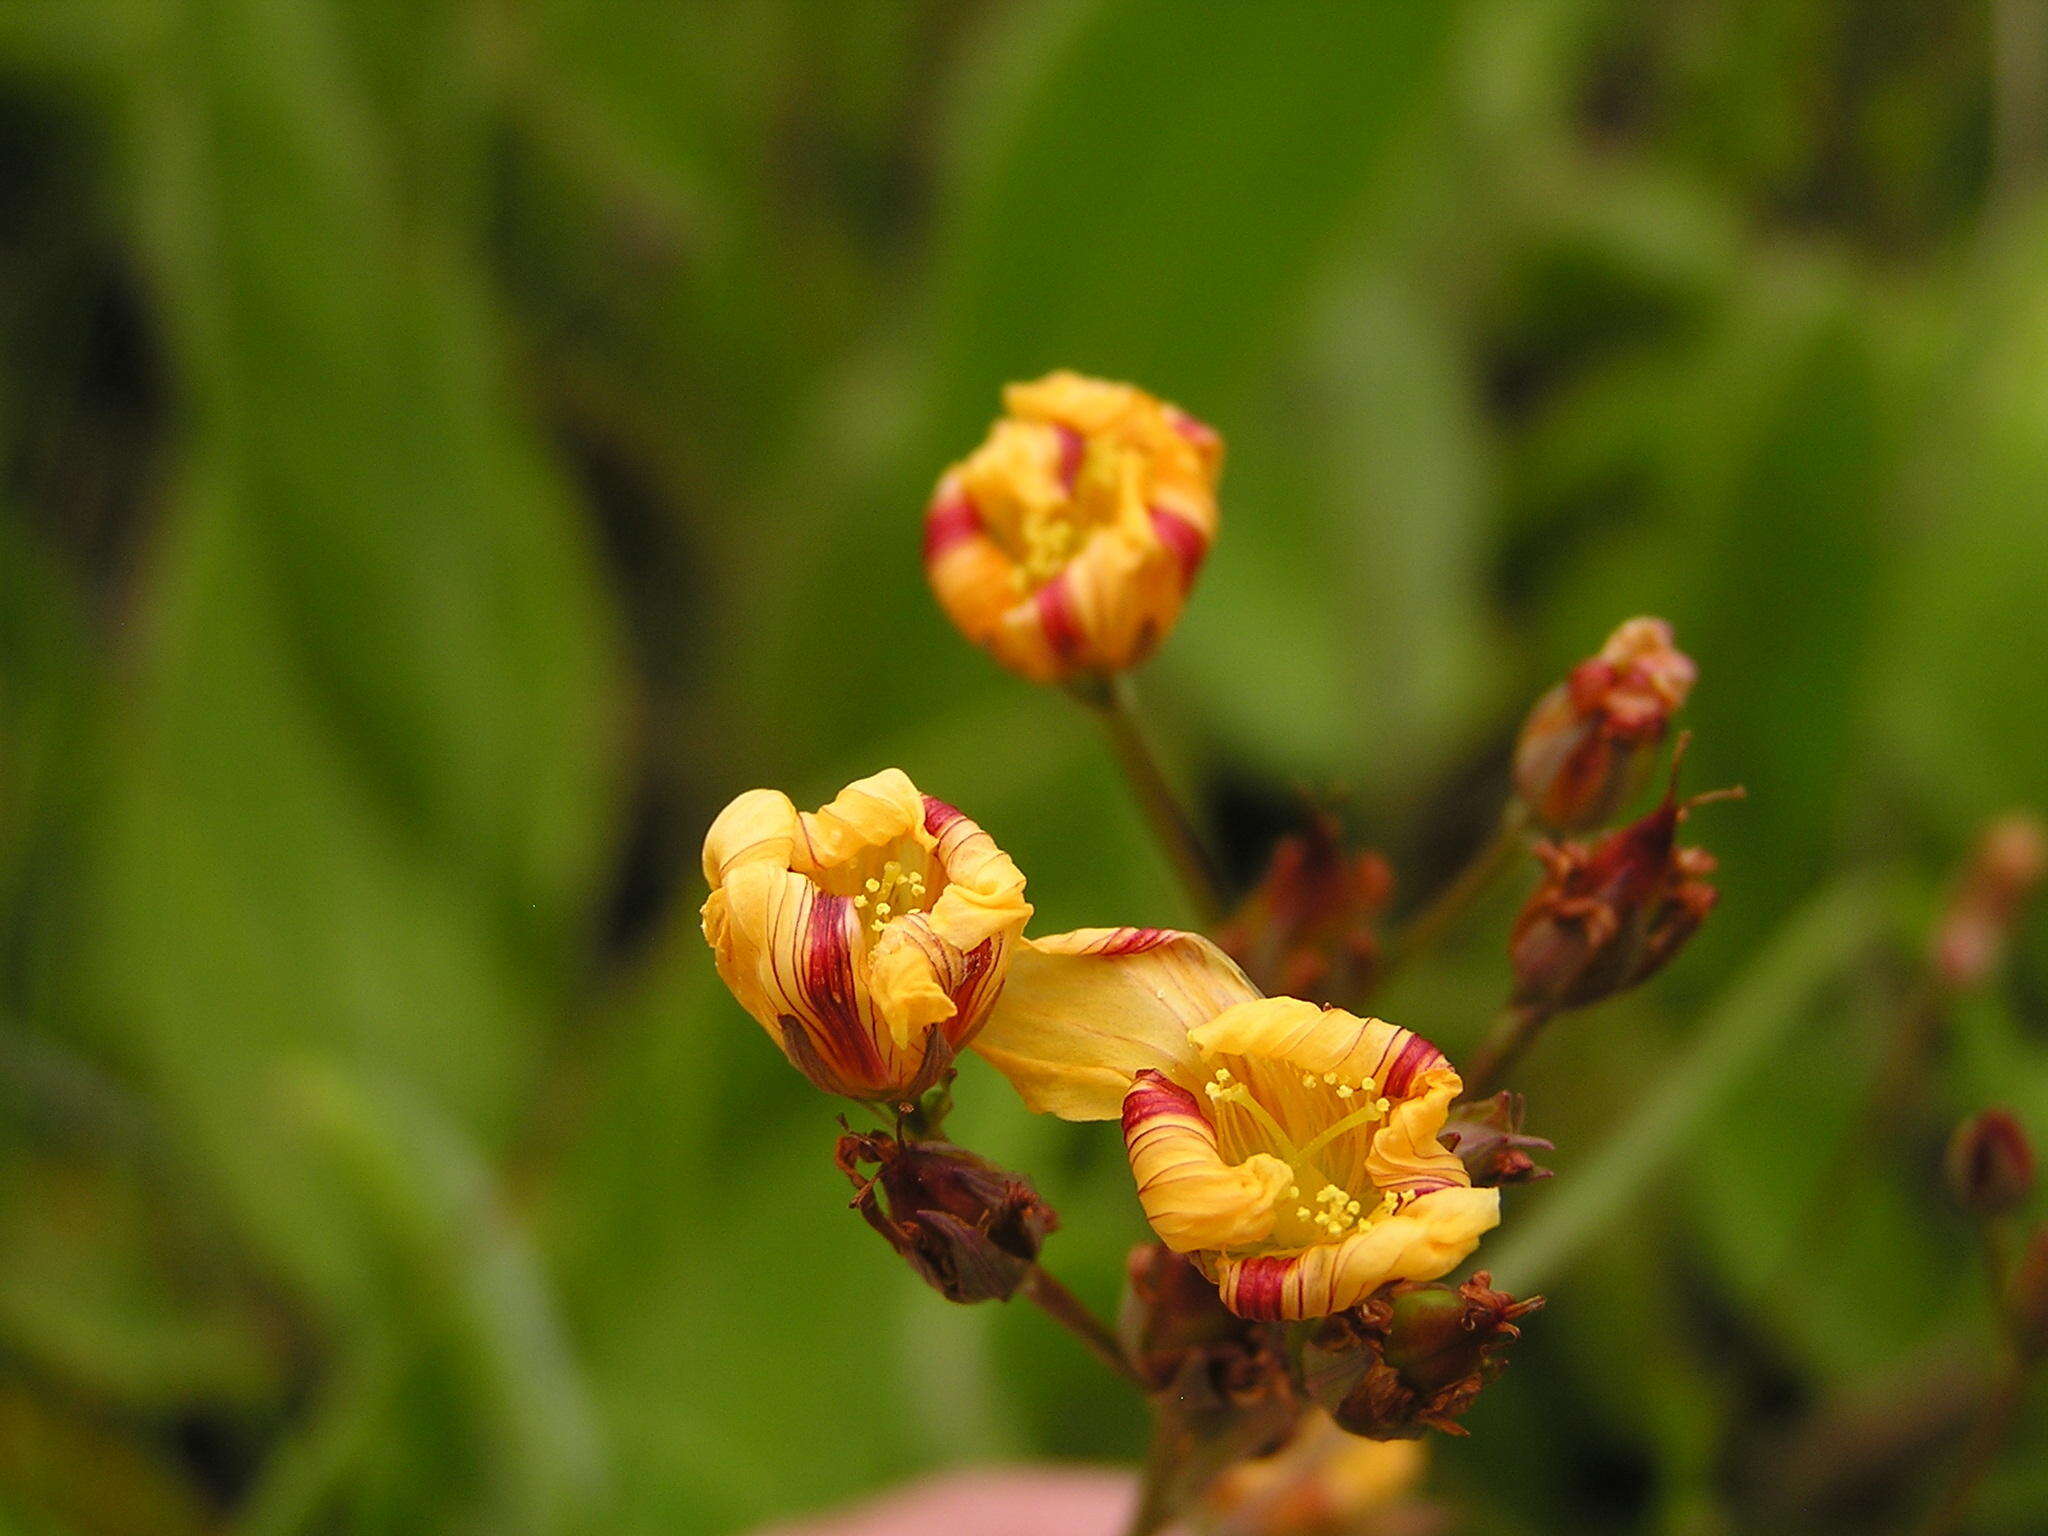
{"x":1018,"y":1501}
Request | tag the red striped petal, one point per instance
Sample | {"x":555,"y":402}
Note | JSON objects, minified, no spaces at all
{"x":1184,"y":539}
{"x":952,"y":520}
{"x":1056,"y":613}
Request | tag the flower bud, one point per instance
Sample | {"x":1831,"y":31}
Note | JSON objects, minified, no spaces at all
{"x":1413,"y":1357}
{"x":1308,"y":929}
{"x":971,"y":1230}
{"x":2005,"y":869}
{"x":1588,"y":742}
{"x":1990,"y":1163}
{"x":869,"y":938}
{"x":1487,"y":1136}
{"x":1066,"y":544}
{"x":1610,"y":916}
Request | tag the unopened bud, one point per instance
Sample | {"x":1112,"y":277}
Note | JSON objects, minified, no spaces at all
{"x":1310,"y":926}
{"x":1610,"y":916}
{"x":1588,"y":742}
{"x":1413,"y":1357}
{"x":1487,"y":1136}
{"x":970,"y":1229}
{"x":2004,"y":870}
{"x":1990,"y":1163}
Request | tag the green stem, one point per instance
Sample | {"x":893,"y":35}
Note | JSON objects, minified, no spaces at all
{"x":1486,"y":865}
{"x":1072,"y":1314}
{"x":1513,"y":1033}
{"x":1155,"y":1485}
{"x":1112,"y":702}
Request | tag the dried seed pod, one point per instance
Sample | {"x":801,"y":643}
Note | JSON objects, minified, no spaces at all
{"x":972,"y":1230}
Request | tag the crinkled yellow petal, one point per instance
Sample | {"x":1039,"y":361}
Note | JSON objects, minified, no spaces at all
{"x":1314,"y":1039}
{"x":1406,"y":1154}
{"x":1193,"y":1198}
{"x":1084,"y":1012}
{"x":867,"y":813}
{"x":1431,"y":1235}
{"x":984,"y":892}
{"x":760,"y":826}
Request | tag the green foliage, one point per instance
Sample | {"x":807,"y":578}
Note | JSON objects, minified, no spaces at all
{"x":449,"y":449}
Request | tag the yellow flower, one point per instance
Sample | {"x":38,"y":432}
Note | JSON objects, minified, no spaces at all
{"x":1066,"y":543}
{"x":1321,"y":1480}
{"x":870,"y":937}
{"x":1289,"y":1150}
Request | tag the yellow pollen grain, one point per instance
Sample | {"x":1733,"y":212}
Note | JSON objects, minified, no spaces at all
{"x":896,"y":892}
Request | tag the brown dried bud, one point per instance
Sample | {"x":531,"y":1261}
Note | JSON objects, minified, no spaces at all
{"x":2026,"y":1298}
{"x":1610,"y":916}
{"x":969,"y":1228}
{"x":1990,"y":1163}
{"x":1487,"y":1136}
{"x":1412,"y":1357}
{"x":1309,"y":928}
{"x":1220,"y":1384}
{"x":1587,"y":743}
{"x":2005,"y":869}
{"x":1172,"y":1318}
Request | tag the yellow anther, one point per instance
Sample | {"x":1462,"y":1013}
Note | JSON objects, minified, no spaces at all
{"x":1329,"y":1077}
{"x":1308,"y":1079}
{"x":1344,"y":1090}
{"x":1381,"y":1105}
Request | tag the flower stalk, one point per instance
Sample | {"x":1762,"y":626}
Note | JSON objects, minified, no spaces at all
{"x":1072,"y":1313}
{"x":1111,"y":701}
{"x":1514,"y":1031}
{"x":1491,"y":860}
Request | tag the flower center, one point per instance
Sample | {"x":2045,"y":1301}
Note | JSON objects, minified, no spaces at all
{"x":894,"y":892}
{"x":1333,"y":1211}
{"x":1049,"y":533}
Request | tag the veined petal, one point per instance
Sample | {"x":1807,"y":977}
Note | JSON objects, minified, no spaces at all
{"x":1084,"y":1012}
{"x":1406,"y":1154}
{"x":1314,"y":1039}
{"x":984,"y":894}
{"x":1431,"y":1235}
{"x":760,"y":826}
{"x":866,"y":813}
{"x":1191,"y":1195}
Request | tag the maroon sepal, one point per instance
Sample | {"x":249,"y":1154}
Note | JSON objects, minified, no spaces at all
{"x":1609,"y":916}
{"x":1487,"y":1136}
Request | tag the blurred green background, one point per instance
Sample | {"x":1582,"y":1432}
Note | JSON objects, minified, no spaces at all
{"x":450,"y":448}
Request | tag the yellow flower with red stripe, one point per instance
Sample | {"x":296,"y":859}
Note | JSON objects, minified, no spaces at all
{"x":1066,"y":544}
{"x":1291,"y":1151}
{"x":870,"y":937}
